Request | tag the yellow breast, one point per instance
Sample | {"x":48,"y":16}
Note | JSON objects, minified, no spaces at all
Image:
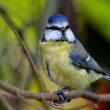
{"x":61,"y":69}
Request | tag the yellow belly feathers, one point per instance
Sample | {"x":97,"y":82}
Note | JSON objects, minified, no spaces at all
{"x":61,"y":69}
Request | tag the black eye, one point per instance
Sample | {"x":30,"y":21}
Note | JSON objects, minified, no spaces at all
{"x":53,"y":28}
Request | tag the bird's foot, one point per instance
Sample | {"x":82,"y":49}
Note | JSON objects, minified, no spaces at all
{"x":62,"y":97}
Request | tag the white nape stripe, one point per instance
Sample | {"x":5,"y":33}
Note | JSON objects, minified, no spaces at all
{"x":88,"y":58}
{"x":69,"y":35}
{"x":52,"y":35}
{"x":59,"y":25}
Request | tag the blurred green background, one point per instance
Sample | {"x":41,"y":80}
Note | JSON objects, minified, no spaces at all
{"x":90,"y":22}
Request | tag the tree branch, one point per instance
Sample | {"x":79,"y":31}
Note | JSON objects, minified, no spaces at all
{"x":30,"y":104}
{"x":98,"y":98}
{"x":32,"y":95}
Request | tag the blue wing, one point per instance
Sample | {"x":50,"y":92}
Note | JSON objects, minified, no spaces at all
{"x":82,"y":62}
{"x":81,"y":59}
{"x":77,"y":60}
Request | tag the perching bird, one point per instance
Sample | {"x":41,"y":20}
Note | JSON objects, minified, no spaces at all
{"x":64,"y":59}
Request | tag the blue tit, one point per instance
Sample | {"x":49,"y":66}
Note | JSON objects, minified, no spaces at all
{"x":64,"y":59}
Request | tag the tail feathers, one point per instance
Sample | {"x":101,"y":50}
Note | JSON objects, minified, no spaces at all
{"x":107,"y":77}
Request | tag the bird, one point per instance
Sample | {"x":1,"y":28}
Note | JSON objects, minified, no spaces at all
{"x":64,"y":59}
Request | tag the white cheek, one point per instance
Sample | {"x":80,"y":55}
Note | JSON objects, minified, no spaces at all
{"x":52,"y":35}
{"x":64,"y":24}
{"x":69,"y":35}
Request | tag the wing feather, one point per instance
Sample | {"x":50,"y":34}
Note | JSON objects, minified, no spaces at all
{"x":80,"y":58}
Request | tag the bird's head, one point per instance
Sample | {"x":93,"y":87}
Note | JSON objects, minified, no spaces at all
{"x":58,"y":29}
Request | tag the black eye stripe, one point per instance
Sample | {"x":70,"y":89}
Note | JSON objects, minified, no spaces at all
{"x":53,"y":28}
{"x":67,"y":27}
{"x":57,"y":28}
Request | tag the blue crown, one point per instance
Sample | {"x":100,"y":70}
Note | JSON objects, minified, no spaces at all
{"x":57,"y":18}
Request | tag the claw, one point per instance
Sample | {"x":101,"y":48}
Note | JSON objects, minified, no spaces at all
{"x":62,"y":97}
{"x":60,"y":92}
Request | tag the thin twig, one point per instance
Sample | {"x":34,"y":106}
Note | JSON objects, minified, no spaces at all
{"x":6,"y":103}
{"x":10,"y":95}
{"x":29,"y":103}
{"x":7,"y":94}
{"x":25,"y":48}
